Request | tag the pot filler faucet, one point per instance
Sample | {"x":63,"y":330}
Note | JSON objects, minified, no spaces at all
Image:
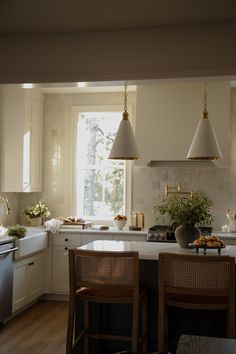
{"x":176,"y":190}
{"x":8,"y":209}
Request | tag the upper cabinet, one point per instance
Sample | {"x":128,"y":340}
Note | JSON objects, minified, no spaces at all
{"x":21,"y":140}
{"x":167,"y":117}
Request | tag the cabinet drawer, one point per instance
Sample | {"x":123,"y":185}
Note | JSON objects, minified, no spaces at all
{"x":67,"y":240}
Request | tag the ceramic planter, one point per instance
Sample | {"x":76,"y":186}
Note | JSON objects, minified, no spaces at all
{"x":186,"y":234}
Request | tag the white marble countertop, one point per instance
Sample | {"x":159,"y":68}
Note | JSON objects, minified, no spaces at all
{"x":231,"y":235}
{"x":112,"y":230}
{"x":30,"y":231}
{"x":150,"y":250}
{"x":6,"y":239}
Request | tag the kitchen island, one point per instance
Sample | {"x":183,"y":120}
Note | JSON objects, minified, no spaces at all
{"x":150,"y":250}
{"x":103,"y":317}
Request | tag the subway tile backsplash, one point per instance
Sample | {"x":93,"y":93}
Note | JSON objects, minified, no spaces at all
{"x":217,"y":183}
{"x":148,"y":182}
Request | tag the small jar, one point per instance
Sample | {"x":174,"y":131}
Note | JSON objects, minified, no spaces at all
{"x":141,"y":220}
{"x":134,"y":219}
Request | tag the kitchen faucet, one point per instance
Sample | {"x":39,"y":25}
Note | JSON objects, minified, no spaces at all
{"x":8,"y":209}
{"x":176,"y":190}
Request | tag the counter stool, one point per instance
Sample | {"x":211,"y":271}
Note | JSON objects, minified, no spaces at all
{"x":105,"y":277}
{"x":196,"y":282}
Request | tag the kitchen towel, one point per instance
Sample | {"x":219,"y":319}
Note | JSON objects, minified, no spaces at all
{"x":53,"y":225}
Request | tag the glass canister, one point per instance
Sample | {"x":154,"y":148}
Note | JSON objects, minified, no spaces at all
{"x":134,"y":219}
{"x":141,"y":220}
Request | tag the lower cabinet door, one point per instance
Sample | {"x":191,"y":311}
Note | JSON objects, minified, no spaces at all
{"x":36,"y":278}
{"x":20,"y":285}
{"x":60,"y":270}
{"x":28,"y":281}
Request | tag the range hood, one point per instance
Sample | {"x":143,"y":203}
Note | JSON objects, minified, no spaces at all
{"x":167,"y":116}
{"x":184,"y":163}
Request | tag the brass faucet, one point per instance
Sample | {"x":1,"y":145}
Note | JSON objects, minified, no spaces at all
{"x":176,"y":190}
{"x":8,"y":209}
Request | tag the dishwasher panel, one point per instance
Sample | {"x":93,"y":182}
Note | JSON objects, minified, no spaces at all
{"x":6,"y":279}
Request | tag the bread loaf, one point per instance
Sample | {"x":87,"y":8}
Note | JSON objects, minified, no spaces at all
{"x":208,"y":241}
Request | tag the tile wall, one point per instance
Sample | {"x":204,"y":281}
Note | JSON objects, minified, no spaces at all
{"x":148,"y":183}
{"x":218,"y":183}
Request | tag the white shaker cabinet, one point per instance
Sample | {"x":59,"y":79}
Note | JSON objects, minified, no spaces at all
{"x":60,"y":262}
{"x":21,"y":140}
{"x":28,"y":280}
{"x":62,"y":242}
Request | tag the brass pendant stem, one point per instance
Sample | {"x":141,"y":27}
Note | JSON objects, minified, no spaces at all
{"x":205,"y":112}
{"x":125,"y":114}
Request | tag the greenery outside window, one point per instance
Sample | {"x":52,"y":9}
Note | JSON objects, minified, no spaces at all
{"x":101,"y":184}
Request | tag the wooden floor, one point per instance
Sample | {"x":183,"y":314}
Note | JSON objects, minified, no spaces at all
{"x":41,"y":329}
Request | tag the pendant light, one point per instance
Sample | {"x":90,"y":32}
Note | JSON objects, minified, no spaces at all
{"x":124,"y":146}
{"x":204,"y":145}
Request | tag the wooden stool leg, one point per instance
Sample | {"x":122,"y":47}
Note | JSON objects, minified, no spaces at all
{"x":86,"y":327}
{"x":230,"y":324}
{"x":135,"y":326}
{"x":70,"y":326}
{"x":161,"y":328}
{"x":144,"y":323}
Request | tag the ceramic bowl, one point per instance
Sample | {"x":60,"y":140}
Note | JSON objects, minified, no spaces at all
{"x":119,"y":224}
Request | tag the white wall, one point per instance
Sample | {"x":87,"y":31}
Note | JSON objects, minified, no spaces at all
{"x":148,"y":182}
{"x":58,"y":147}
{"x":168,"y":115}
{"x":218,"y":183}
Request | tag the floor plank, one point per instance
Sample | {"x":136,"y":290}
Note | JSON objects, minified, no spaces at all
{"x":41,"y":329}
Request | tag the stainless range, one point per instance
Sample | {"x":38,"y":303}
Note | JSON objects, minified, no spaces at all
{"x":160,"y":233}
{"x":165,"y":233}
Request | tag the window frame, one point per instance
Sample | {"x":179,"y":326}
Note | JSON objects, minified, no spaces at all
{"x":76,"y":110}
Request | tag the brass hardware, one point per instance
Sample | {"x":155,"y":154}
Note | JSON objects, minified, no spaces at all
{"x":8,"y":209}
{"x":176,"y":190}
{"x":125,"y":114}
{"x":205,"y":112}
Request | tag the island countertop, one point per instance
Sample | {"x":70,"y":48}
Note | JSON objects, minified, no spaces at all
{"x":151,"y":250}
{"x":112,"y":230}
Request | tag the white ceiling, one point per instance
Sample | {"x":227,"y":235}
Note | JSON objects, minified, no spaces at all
{"x":65,"y":16}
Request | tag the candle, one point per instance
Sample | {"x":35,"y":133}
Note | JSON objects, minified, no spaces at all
{"x":225,"y":228}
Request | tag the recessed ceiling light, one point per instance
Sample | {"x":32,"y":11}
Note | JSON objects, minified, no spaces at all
{"x":27,"y":86}
{"x":81,"y":84}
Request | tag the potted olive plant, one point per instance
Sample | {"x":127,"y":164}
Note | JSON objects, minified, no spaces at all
{"x":186,"y":212}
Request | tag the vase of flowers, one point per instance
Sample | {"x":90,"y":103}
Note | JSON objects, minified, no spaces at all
{"x":186,"y":213}
{"x":36,"y":214}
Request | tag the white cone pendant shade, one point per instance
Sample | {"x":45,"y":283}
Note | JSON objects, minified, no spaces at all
{"x":124,"y":146}
{"x":204,"y":145}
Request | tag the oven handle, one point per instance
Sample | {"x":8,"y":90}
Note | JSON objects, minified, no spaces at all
{"x":9,"y":251}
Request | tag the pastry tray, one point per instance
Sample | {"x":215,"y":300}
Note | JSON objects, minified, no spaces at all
{"x":205,"y":248}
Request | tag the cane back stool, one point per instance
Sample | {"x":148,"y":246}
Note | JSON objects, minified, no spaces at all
{"x":196,"y":282}
{"x":109,"y":278}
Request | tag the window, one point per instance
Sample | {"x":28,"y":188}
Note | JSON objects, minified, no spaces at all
{"x":101,"y":184}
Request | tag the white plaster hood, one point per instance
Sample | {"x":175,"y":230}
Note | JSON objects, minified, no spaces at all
{"x":167,"y":116}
